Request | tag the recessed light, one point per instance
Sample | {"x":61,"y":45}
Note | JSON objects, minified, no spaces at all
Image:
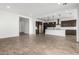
{"x":59,"y":3}
{"x":8,"y":6}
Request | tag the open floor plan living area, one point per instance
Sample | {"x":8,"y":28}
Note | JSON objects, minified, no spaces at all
{"x":39,"y":29}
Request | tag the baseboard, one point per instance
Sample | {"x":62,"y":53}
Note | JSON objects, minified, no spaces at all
{"x":9,"y":36}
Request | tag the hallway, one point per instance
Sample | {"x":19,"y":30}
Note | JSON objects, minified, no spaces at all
{"x":39,"y":45}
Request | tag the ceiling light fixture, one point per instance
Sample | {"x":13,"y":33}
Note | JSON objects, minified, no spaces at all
{"x":58,"y":3}
{"x":8,"y":6}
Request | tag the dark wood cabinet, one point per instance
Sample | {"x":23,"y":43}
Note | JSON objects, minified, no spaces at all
{"x":69,"y":23}
{"x":44,"y":27}
{"x":37,"y":26}
{"x":52,"y":24}
{"x":70,"y":32}
{"x":48,"y":24}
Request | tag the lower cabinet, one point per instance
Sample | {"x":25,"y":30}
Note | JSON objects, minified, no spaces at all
{"x":70,"y":32}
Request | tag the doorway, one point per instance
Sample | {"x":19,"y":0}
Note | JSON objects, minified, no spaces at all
{"x":23,"y":26}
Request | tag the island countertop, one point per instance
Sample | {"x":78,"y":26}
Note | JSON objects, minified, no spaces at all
{"x":58,"y":32}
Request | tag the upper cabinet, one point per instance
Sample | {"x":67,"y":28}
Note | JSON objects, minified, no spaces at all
{"x":69,"y":23}
{"x":50,"y":24}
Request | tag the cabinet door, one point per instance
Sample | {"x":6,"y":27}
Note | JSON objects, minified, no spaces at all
{"x":69,"y":23}
{"x":70,"y":32}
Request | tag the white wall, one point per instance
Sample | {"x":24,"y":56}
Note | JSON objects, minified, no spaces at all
{"x":32,"y":23}
{"x":9,"y":24}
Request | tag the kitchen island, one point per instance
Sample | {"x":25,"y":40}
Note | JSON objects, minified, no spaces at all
{"x":57,"y":32}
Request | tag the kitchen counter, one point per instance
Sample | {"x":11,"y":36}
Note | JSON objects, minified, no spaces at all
{"x":58,"y":32}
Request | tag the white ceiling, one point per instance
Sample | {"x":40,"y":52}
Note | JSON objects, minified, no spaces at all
{"x":36,"y":9}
